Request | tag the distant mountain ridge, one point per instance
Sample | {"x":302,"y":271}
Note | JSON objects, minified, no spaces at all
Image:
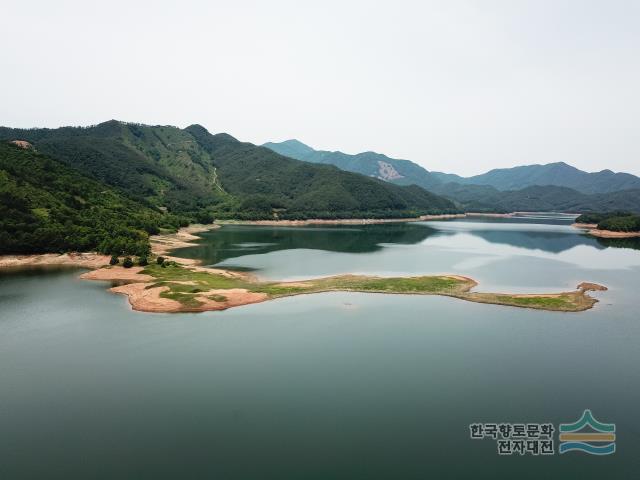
{"x":372,"y":164}
{"x":405,"y":172}
{"x":558,"y":174}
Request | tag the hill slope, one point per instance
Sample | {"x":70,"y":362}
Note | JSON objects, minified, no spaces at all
{"x":160,"y":166}
{"x":266,"y":181}
{"x":47,"y":207}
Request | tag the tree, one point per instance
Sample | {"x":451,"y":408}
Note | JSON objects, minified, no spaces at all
{"x":142,"y":261}
{"x":128,"y":263}
{"x":114,"y":260}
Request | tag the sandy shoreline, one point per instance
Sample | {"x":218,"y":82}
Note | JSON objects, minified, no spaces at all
{"x":343,"y":221}
{"x":609,"y":234}
{"x":592,"y":229}
{"x":360,"y":221}
{"x":86,"y":260}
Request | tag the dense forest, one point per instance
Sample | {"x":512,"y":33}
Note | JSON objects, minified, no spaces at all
{"x":613,"y":221}
{"x":47,"y":207}
{"x":264,"y":183}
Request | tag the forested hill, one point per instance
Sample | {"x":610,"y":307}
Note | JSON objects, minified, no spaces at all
{"x":266,"y":182}
{"x":46,"y":206}
{"x":160,"y":166}
{"x":201,"y":176}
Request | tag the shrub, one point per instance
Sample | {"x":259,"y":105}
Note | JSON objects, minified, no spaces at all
{"x":160,"y":260}
{"x":142,"y":261}
{"x":114,"y":260}
{"x":128,"y":263}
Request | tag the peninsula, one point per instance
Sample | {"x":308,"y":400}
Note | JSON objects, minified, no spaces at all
{"x":181,"y":285}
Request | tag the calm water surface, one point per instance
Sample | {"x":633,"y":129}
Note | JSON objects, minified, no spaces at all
{"x":330,"y":386}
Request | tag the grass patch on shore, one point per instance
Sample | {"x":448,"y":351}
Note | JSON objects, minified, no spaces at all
{"x":564,"y":302}
{"x":186,"y":284}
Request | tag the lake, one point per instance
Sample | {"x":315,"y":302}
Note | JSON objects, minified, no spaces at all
{"x":327,"y":386}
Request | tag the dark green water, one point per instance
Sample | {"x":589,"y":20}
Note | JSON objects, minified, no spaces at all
{"x":327,"y":386}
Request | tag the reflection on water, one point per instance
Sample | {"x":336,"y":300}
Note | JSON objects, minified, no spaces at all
{"x":232,"y":241}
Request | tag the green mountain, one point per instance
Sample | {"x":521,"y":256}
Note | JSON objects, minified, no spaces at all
{"x":559,"y":174}
{"x":264,"y":183}
{"x":45,"y":206}
{"x":405,"y":172}
{"x":191,"y":173}
{"x":371,"y":164}
{"x":163,"y":167}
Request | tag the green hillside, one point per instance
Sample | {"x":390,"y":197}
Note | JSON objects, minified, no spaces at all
{"x":160,"y":166}
{"x":262,"y":181}
{"x":47,"y":207}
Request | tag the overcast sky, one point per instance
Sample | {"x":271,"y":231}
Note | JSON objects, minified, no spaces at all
{"x":457,"y":86}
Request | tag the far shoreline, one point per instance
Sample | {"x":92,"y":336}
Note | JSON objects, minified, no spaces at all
{"x":593,"y":230}
{"x":163,"y":244}
{"x":361,"y":221}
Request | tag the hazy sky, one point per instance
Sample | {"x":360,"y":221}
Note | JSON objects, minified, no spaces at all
{"x":457,"y":86}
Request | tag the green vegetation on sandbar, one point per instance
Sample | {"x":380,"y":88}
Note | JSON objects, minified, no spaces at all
{"x":186,"y":285}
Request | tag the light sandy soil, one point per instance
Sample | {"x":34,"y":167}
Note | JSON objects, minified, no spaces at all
{"x":145,"y":299}
{"x":491,"y":215}
{"x":118,"y":274}
{"x":294,"y":284}
{"x":162,"y":244}
{"x":87,"y":260}
{"x":234,"y":297}
{"x":463,"y":278}
{"x":589,"y":286}
{"x":596,"y":232}
{"x":22,"y":143}
{"x":148,"y":299}
{"x":344,"y":221}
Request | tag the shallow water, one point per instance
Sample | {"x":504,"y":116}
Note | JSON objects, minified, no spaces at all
{"x":338,"y":385}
